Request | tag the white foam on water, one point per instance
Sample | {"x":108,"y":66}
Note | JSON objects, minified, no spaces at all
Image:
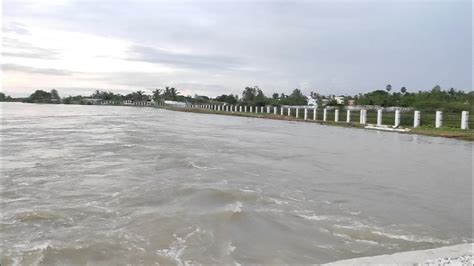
{"x":279,"y":202}
{"x":370,"y":242}
{"x":177,"y":248}
{"x":230,"y":248}
{"x":410,"y":238}
{"x":235,"y":207}
{"x":269,"y":210}
{"x":313,"y":217}
{"x":27,"y":248}
{"x":376,"y":230}
{"x":193,"y":164}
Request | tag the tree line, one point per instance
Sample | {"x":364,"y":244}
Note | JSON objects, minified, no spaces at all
{"x":437,"y":98}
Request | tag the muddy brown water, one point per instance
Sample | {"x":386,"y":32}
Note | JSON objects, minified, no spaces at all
{"x":118,"y":185}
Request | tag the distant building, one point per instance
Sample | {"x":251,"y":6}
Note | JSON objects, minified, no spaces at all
{"x":311,"y":101}
{"x":324,"y":101}
{"x":339,"y":99}
{"x":351,"y":102}
{"x":175,"y":103}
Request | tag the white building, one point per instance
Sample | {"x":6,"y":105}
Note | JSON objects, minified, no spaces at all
{"x":339,"y":99}
{"x":311,"y":101}
{"x":175,"y":103}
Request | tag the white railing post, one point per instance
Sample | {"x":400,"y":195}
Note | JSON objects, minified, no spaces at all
{"x":261,"y":110}
{"x":325,"y":114}
{"x":379,"y":117}
{"x":348,"y":116}
{"x":289,"y":110}
{"x":297,"y":112}
{"x":256,"y":109}
{"x":268,"y":109}
{"x":282,"y":110}
{"x":465,"y":120}
{"x":397,"y":118}
{"x":275,"y":110}
{"x":416,"y":119}
{"x":363,"y":116}
{"x":439,"y":119}
{"x":305,"y":113}
{"x":336,"y":115}
{"x":314,"y":114}
{"x":245,"y":109}
{"x":240,"y":108}
{"x":251,"y":107}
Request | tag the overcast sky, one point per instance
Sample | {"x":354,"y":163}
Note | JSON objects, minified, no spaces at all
{"x":216,"y":47}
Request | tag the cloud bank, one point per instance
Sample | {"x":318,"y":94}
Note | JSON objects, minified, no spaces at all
{"x":331,"y":47}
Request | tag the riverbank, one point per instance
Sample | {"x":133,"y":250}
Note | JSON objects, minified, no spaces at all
{"x":425,"y":131}
{"x":462,"y":254}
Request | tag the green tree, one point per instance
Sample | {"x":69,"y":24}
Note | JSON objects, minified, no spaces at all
{"x":39,"y":96}
{"x":170,"y":94}
{"x":55,"y":95}
{"x":249,"y":94}
{"x":157,"y":95}
{"x":388,"y":88}
{"x":295,"y":98}
{"x":260,"y":98}
{"x":230,"y":99}
{"x":403,"y":90}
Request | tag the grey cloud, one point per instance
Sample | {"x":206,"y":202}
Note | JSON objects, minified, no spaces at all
{"x":16,"y":27}
{"x":35,"y":70}
{"x":15,"y":48}
{"x":181,"y":60}
{"x":344,"y":46}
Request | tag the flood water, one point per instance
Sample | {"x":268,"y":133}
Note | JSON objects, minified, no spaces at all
{"x":117,"y":185}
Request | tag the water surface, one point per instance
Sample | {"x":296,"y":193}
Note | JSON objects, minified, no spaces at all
{"x":117,"y":185}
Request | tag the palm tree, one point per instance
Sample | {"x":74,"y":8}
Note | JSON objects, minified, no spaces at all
{"x":157,"y":95}
{"x":138,"y":95}
{"x":170,"y":94}
{"x":174,"y":94}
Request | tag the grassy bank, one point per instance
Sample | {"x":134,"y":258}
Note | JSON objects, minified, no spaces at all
{"x":444,"y":132}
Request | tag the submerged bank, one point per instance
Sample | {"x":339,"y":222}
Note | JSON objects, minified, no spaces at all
{"x":462,"y":254}
{"x":425,"y":131}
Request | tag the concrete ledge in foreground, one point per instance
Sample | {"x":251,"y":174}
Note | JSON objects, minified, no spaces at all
{"x":462,"y":254}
